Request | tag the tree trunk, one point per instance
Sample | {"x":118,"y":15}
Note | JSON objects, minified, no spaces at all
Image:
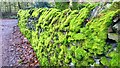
{"x":9,"y":7}
{"x":19,"y":5}
{"x":0,"y":10}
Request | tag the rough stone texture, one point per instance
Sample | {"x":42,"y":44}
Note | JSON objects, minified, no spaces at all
{"x":113,"y":36}
{"x":116,"y":26}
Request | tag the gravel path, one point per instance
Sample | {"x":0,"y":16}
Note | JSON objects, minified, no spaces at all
{"x":15,"y":48}
{"x":6,"y":35}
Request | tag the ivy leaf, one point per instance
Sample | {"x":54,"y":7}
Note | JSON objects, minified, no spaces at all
{"x":44,"y":61}
{"x":104,"y":61}
{"x":114,"y":61}
{"x":79,"y":53}
{"x":66,"y":60}
{"x":73,"y":48}
{"x":74,"y":60}
{"x":112,"y":54}
{"x":61,"y":37}
{"x":53,"y":59}
{"x":47,"y":41}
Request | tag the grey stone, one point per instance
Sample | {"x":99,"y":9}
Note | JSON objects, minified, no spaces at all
{"x":71,"y":64}
{"x":113,"y":36}
{"x":117,"y":26}
{"x":108,"y":5}
{"x":97,"y":61}
{"x":11,"y":49}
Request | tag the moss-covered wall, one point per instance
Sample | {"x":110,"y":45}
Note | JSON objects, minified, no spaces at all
{"x":63,"y":37}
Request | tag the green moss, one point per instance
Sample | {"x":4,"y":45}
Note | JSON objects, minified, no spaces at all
{"x":60,"y":38}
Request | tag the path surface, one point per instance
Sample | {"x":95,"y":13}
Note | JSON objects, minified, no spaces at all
{"x":15,"y":49}
{"x":6,"y":35}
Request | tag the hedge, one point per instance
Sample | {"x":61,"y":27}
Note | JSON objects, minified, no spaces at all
{"x":64,"y":37}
